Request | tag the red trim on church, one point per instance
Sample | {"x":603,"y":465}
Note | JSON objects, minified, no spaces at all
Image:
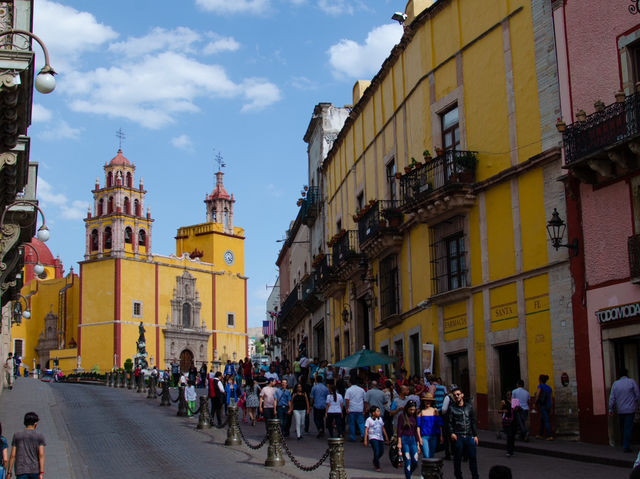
{"x":157,"y":328}
{"x":246,"y":330}
{"x":79,"y":335}
{"x":213,"y":318}
{"x":117,"y":327}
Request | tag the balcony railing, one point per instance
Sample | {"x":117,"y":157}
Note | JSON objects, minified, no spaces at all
{"x":345,"y":248}
{"x":310,"y":293}
{"x":289,"y":303}
{"x":379,"y":217}
{"x":450,"y":168}
{"x":618,"y":122}
{"x":633,"y":245}
{"x":323,"y":271}
{"x":311,"y":206}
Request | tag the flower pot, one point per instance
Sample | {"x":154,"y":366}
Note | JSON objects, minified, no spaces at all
{"x":561,"y":126}
{"x":599,"y":105}
{"x":620,"y":96}
{"x":398,"y":175}
{"x":407,"y":169}
{"x":581,"y":116}
{"x":395,"y":221}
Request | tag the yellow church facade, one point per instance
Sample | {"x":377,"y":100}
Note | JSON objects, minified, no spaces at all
{"x":438,"y":190}
{"x":192,"y":305}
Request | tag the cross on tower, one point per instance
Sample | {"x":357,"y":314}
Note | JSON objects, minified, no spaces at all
{"x":220,"y":161}
{"x":121,"y":136}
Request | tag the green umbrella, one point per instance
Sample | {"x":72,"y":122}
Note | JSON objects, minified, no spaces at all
{"x":364,"y":358}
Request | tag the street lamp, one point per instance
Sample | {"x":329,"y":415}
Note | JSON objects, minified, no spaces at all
{"x":346,"y":313}
{"x":45,"y":82}
{"x":555,"y":229}
{"x":43,"y":232}
{"x":18,"y":313}
{"x":38,"y":269}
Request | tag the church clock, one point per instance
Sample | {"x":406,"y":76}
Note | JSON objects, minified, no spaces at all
{"x":228,"y":257}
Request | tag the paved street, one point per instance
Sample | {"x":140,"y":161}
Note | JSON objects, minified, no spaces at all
{"x":99,"y":432}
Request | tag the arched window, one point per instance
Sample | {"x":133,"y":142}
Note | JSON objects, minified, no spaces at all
{"x":127,"y":206}
{"x":186,"y":315}
{"x":136,"y":207}
{"x":225,"y":220}
{"x":94,"y":240}
{"x":214,"y":215}
{"x":142,"y":238}
{"x":109,"y":179}
{"x":128,"y":235}
{"x":107,"y":238}
{"x":129,"y":180}
{"x":110,"y":205}
{"x":100,"y":207}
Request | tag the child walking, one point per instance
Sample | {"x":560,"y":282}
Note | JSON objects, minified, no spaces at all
{"x":375,"y":433}
{"x":190,"y":396}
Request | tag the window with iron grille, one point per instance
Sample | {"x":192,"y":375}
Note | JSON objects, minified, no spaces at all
{"x":450,"y":129}
{"x":391,"y":180}
{"x":389,"y":286}
{"x":17,"y":348}
{"x":137,"y":309}
{"x":449,"y":264}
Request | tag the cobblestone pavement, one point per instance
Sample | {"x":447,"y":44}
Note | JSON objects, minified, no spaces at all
{"x":96,"y":432}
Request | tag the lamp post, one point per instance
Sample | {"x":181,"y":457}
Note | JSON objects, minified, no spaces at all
{"x":43,"y":232}
{"x":555,"y":229}
{"x":45,"y":82}
{"x":18,"y":312}
{"x":346,"y":313}
{"x":38,"y":269}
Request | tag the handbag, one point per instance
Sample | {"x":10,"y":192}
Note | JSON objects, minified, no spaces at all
{"x":395,"y":456}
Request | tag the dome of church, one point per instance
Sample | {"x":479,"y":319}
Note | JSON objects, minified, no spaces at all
{"x":46,"y":258}
{"x":119,"y":160}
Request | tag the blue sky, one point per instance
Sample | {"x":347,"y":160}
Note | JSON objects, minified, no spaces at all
{"x":185,"y":81}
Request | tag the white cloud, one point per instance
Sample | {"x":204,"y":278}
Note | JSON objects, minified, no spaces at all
{"x":221,"y":44}
{"x":303,"y":83}
{"x":40,"y":114}
{"x":68,"y":32}
{"x":259,"y":94}
{"x":60,"y":130}
{"x":182,"y":142}
{"x":180,"y":39}
{"x":234,"y":6}
{"x":69,"y":210}
{"x":262,"y":294}
{"x":336,"y":7}
{"x":353,"y":60}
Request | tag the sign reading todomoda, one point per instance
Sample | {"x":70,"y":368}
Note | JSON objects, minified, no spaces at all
{"x":616,"y":313}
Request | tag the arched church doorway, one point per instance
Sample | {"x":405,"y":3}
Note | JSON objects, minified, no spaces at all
{"x":186,"y":358}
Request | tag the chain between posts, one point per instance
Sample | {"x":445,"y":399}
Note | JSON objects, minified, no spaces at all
{"x":252,"y":446}
{"x":221,"y":426}
{"x":296,"y":463}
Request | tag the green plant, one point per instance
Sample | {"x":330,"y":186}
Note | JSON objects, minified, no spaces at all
{"x":95,"y":369}
{"x":128,"y":364}
{"x":467,"y":161}
{"x":389,"y":213}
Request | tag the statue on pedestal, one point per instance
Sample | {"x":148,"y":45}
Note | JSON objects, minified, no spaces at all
{"x":141,"y":355}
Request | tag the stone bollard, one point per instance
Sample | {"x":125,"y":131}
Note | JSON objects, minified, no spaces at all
{"x":432,"y":468}
{"x":122,"y":379}
{"x":117,"y":383}
{"x":110,"y":379}
{"x":233,"y":433}
{"x":336,"y":458}
{"x":151,"y":393}
{"x":166,"y":398}
{"x":182,"y":404}
{"x":139,"y":381}
{"x":274,"y":451}
{"x":107,"y":377}
{"x":203,"y":419}
{"x":130,"y":380}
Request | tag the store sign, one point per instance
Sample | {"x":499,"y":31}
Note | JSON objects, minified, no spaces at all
{"x":618,"y":313}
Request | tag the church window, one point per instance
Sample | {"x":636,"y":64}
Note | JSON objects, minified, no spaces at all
{"x":110,"y":205}
{"x":100,"y":207}
{"x":231,"y":320}
{"x":128,"y":235}
{"x":226,"y":216}
{"x":129,"y":180}
{"x":136,"y":207}
{"x":109,"y":179}
{"x":186,"y":315}
{"x":142,"y":238}
{"x":214,"y":215}
{"x":94,"y":240}
{"x":137,"y":309}
{"x":107,"y":238}
{"x":127,"y":206}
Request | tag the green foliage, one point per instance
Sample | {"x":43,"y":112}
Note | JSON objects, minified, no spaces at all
{"x":128,"y":364}
{"x":95,"y":369}
{"x":259,"y":348}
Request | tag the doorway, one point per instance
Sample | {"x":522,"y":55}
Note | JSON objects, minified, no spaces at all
{"x":414,"y":354}
{"x":460,"y":372}
{"x":627,"y":352}
{"x":318,"y":333}
{"x":186,"y":359}
{"x":509,"y":360}
{"x":362,"y":329}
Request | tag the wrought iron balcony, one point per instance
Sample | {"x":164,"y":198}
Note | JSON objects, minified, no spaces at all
{"x":326,"y":279}
{"x":602,"y":131}
{"x":378,"y":227}
{"x":293,"y":309}
{"x":633,"y":246}
{"x":345,"y":248}
{"x":311,"y":206}
{"x":310,"y":293}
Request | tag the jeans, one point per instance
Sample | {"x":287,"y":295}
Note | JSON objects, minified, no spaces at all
{"x":378,"y":450}
{"x":298,"y":415}
{"x":267,"y":413}
{"x":283,"y":415}
{"x":335,"y":418}
{"x":356,"y":418}
{"x":464,"y":444}
{"x":318,"y":419}
{"x":521,"y":422}
{"x":510,"y":432}
{"x":409,"y":455}
{"x":626,"y":426}
{"x":216,"y":410}
{"x":429,"y":444}
{"x":28,"y":476}
{"x":545,"y":425}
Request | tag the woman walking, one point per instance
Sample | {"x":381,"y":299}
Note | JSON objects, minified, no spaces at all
{"x":300,"y":408}
{"x":252,"y":390}
{"x":375,"y":433}
{"x":429,"y":425}
{"x":334,"y":411}
{"x":508,"y":424}
{"x":408,"y":438}
{"x":231,"y":391}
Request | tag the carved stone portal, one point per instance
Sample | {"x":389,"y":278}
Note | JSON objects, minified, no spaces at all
{"x":185,"y":330}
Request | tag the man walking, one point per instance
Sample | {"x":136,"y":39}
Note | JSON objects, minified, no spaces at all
{"x":175,"y":372}
{"x":284,"y":407}
{"x":522,"y":412}
{"x":27,"y":450}
{"x":9,"y":367}
{"x":319,"y":394}
{"x":268,"y":402}
{"x":217,"y":396}
{"x":354,"y":404}
{"x":374,"y":397}
{"x":464,"y":437}
{"x":625,"y":400}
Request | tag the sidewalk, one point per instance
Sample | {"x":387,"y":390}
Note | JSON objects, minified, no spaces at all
{"x":30,"y":394}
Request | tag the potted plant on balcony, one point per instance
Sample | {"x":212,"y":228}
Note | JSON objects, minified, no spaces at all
{"x":465,"y":166}
{"x":398,"y":175}
{"x":317,"y":259}
{"x":426,"y":155}
{"x":561,"y":126}
{"x":393,"y":215}
{"x":439,"y":151}
{"x":581,"y":116}
{"x":599,"y":105}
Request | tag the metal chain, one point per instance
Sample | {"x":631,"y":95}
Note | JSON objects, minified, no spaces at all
{"x":193,"y":413}
{"x":251,"y":446}
{"x":296,"y":463}
{"x":221,"y":426}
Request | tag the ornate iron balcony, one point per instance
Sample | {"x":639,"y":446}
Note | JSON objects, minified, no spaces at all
{"x":616,"y":123}
{"x":290,"y":303}
{"x":380,"y":216}
{"x":345,"y":248}
{"x":311,"y":206}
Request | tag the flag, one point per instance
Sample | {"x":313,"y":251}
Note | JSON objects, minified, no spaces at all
{"x":268,"y":328}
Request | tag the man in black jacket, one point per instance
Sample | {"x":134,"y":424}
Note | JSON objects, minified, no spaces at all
{"x":464,"y":437}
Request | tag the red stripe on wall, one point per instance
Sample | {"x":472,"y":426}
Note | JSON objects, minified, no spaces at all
{"x":157,"y":328}
{"x":79,"y":335}
{"x":246,"y":314}
{"x":117,"y":327}
{"x":213,"y":309}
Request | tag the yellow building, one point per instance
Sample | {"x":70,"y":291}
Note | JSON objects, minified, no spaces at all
{"x":191,"y":304}
{"x":438,"y":189}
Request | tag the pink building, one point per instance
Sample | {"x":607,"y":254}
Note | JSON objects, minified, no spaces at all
{"x":598,"y":52}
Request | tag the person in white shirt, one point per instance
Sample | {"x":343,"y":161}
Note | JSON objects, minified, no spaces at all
{"x":333,"y":412}
{"x":354,"y":400}
{"x":375,"y":433}
{"x":521,"y":413}
{"x":190,"y":396}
